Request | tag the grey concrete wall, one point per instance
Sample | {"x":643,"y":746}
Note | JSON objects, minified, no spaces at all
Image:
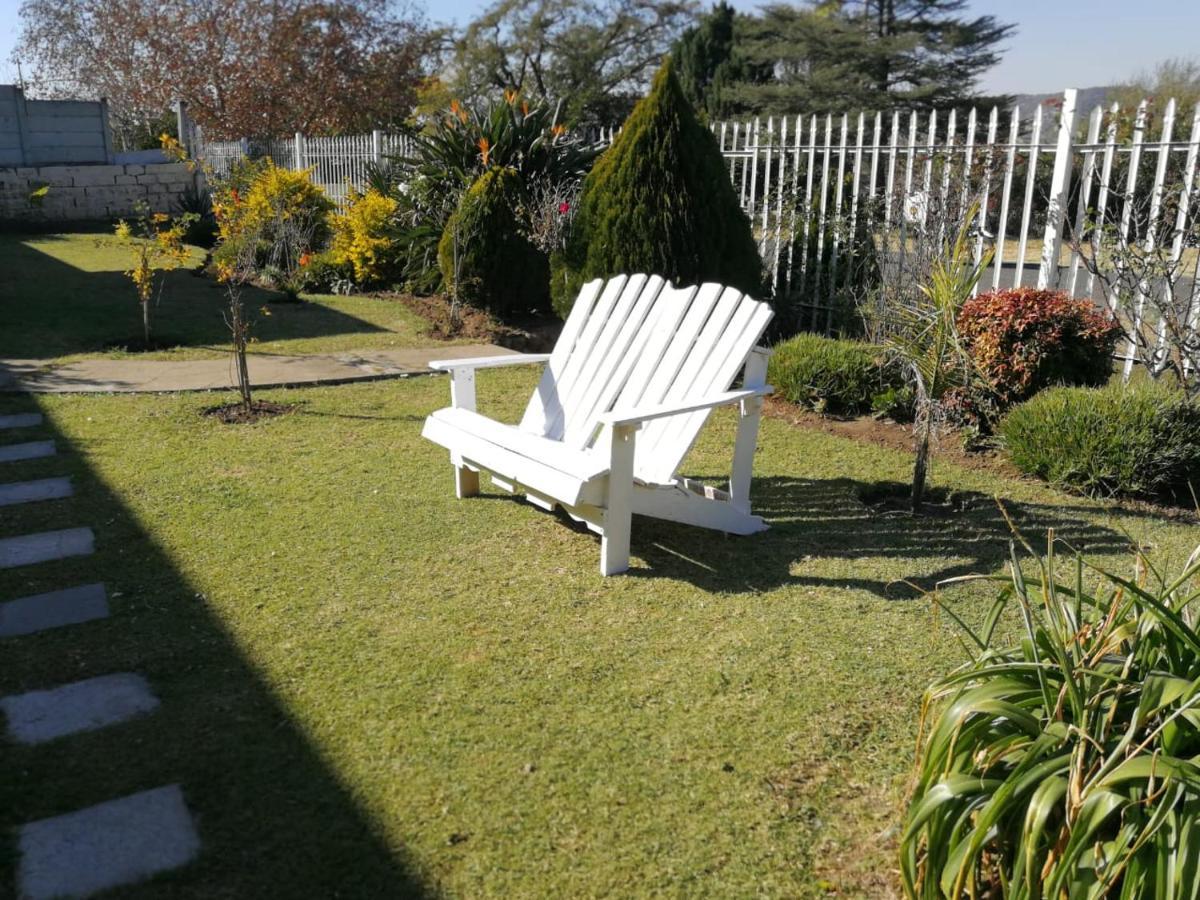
{"x":77,"y":193}
{"x":50,"y":132}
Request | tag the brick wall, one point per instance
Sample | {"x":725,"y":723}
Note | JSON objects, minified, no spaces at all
{"x":78,"y":193}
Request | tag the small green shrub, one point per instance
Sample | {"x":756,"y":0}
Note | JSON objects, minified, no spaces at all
{"x":837,"y":376}
{"x":659,"y":201}
{"x":1137,"y":441}
{"x":322,"y":273}
{"x":1063,"y":764}
{"x":484,"y":257}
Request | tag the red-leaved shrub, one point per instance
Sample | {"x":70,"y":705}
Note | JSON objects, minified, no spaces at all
{"x":1025,"y":339}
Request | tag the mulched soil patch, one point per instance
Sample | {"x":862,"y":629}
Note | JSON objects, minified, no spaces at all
{"x":238,"y":414}
{"x":893,"y":435}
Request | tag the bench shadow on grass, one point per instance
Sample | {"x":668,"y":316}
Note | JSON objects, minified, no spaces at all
{"x":51,"y":308}
{"x":813,"y":522}
{"x":274,"y":818}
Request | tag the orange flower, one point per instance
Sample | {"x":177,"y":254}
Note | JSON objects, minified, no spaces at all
{"x":305,"y":259}
{"x":524,"y":107}
{"x":510,"y":96}
{"x":558,"y":130}
{"x":484,"y":148}
{"x":457,"y":109}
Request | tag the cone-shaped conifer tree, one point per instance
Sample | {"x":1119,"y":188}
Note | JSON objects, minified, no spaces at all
{"x":659,"y":201}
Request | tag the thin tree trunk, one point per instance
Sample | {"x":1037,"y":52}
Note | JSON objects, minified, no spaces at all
{"x":921,"y":468}
{"x":146,"y":322}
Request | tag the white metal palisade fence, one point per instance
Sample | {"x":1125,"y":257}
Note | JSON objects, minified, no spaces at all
{"x":338,"y":162}
{"x":1039,"y":176}
{"x":810,"y":183}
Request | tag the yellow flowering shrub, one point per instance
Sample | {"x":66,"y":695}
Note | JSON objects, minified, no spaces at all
{"x":271,"y":198}
{"x":268,"y":218}
{"x":156,"y":243}
{"x":365,"y":237}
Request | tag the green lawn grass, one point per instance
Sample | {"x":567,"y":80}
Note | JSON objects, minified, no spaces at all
{"x":66,"y":295}
{"x":371,"y":689}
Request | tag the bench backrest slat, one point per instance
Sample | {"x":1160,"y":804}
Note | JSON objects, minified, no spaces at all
{"x":635,"y":342}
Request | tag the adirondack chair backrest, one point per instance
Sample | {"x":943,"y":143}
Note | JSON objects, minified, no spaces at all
{"x":635,"y":342}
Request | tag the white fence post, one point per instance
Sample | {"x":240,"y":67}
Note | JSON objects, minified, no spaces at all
{"x":298,"y":152}
{"x":377,"y":146}
{"x":1060,"y":184}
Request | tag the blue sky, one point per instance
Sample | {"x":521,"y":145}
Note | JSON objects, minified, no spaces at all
{"x":1059,"y":43}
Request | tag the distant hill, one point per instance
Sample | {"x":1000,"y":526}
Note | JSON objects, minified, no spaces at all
{"x":1089,"y":99}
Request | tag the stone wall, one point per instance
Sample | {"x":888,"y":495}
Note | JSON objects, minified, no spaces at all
{"x":79,"y":193}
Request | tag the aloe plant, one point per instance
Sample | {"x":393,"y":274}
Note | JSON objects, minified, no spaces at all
{"x":1066,"y":765}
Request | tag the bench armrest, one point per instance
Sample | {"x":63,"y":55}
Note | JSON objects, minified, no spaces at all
{"x":625,"y":417}
{"x":489,"y":362}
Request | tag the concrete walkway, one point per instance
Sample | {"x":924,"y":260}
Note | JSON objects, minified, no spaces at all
{"x":160,"y":376}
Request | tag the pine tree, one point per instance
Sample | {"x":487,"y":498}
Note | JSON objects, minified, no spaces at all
{"x":704,"y":59}
{"x":838,"y":55}
{"x":659,"y":201}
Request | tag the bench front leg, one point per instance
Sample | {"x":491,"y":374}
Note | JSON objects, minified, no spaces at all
{"x":462,"y":396}
{"x":749,"y":415}
{"x":618,"y":513}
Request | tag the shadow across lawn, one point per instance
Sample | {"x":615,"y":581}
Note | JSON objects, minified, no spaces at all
{"x":822,"y":534}
{"x":73,"y":297}
{"x":274,"y":817}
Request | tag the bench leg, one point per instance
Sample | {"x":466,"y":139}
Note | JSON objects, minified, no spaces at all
{"x":466,"y":479}
{"x":466,"y":482}
{"x":618,"y":517}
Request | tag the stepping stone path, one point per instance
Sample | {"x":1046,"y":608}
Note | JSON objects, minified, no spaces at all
{"x":32,"y":491}
{"x":45,"y":546}
{"x":69,"y":606}
{"x":30,"y":450}
{"x":120,"y":841}
{"x":107,"y":845}
{"x":41,"y":716}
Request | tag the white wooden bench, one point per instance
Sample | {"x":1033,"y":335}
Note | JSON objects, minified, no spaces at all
{"x":638,"y":368}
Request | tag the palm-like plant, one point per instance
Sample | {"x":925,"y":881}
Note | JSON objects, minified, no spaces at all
{"x":454,"y":150}
{"x":926,"y":341}
{"x":1065,"y":766}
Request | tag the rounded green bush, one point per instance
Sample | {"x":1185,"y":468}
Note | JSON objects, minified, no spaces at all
{"x":659,"y":201}
{"x":834,"y":376}
{"x":483,"y":255}
{"x":1122,"y":440}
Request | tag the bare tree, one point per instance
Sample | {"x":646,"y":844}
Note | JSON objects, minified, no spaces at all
{"x":246,"y":67}
{"x":1145,"y":266}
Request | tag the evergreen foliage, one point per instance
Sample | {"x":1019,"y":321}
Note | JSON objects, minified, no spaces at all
{"x":1140,"y":440}
{"x":705,"y":61}
{"x":485,"y":258}
{"x":659,"y":201}
{"x":833,"y":55}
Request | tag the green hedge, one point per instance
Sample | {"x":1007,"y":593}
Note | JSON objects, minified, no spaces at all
{"x":1134,"y":441}
{"x":836,"y":376}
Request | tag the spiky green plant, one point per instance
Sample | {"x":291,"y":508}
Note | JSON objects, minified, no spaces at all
{"x":1065,"y":765}
{"x":927,"y":344}
{"x":659,"y":200}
